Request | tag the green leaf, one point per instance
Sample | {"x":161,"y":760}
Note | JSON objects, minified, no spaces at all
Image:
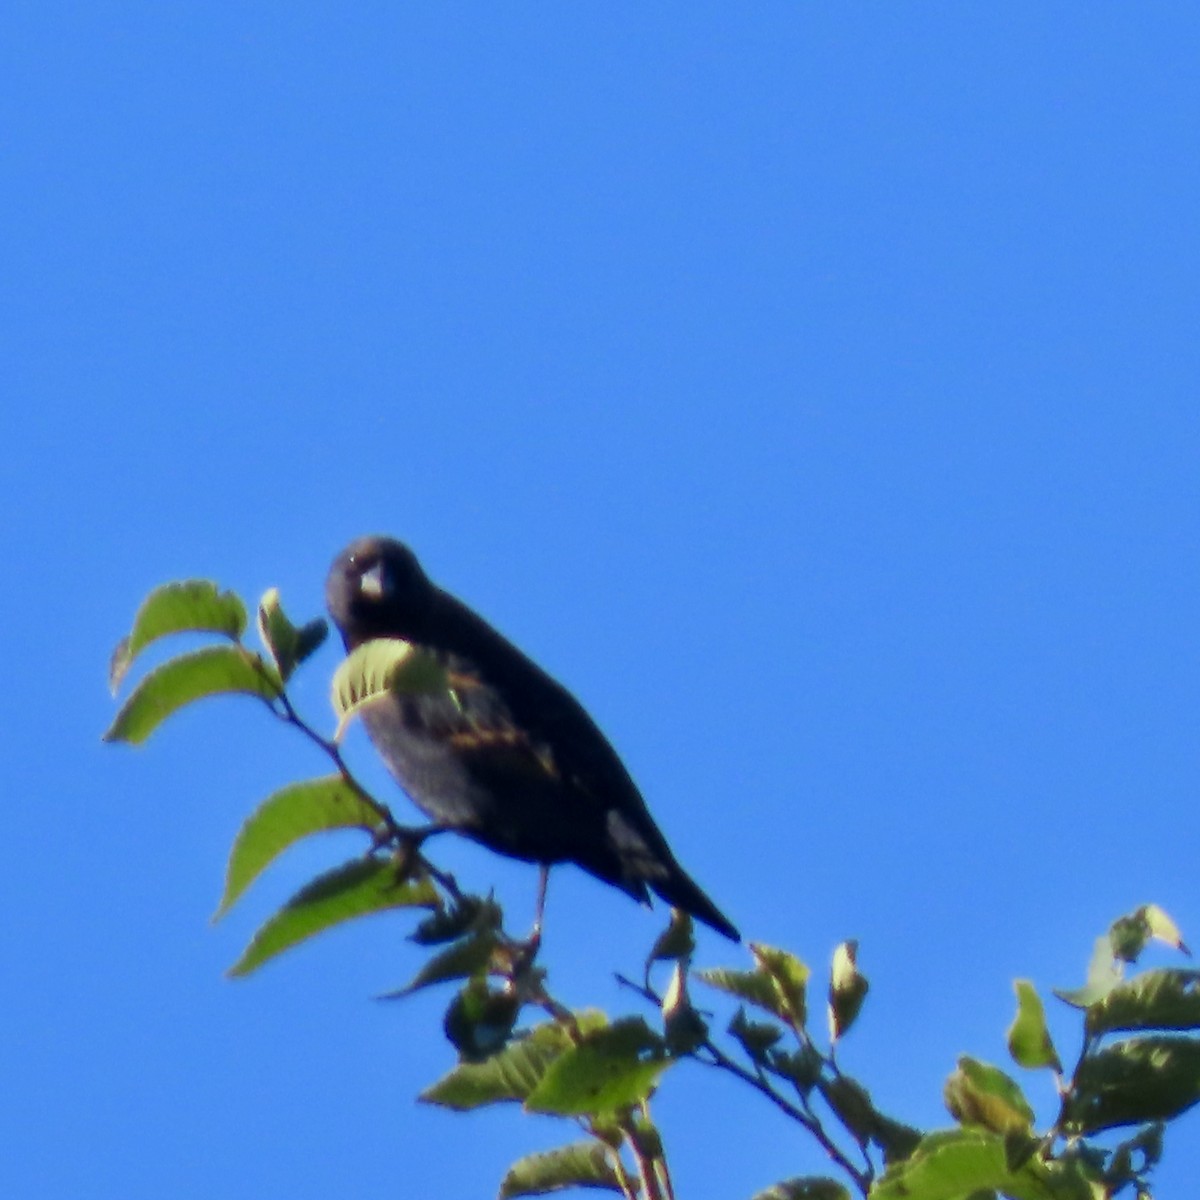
{"x":292,"y":813}
{"x":981,"y":1094}
{"x":213,"y":671}
{"x":811,"y":1187}
{"x":581,"y":1164}
{"x":467,"y":957}
{"x":1028,"y":1038}
{"x":847,"y":989}
{"x":355,"y":889}
{"x":755,"y":987}
{"x":379,"y":668}
{"x":1103,"y":975}
{"x":189,"y":606}
{"x":610,"y":1069}
{"x":511,"y":1075}
{"x":1160,"y":999}
{"x":288,"y":645}
{"x":1134,"y":1082}
{"x":789,"y":976}
{"x":953,"y":1164}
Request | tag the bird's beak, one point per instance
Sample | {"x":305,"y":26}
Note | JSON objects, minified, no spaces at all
{"x":371,"y":583}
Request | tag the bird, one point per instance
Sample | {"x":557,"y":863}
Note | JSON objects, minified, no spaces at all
{"x":504,"y":754}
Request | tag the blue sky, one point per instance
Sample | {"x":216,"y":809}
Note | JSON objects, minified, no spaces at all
{"x":811,"y":388}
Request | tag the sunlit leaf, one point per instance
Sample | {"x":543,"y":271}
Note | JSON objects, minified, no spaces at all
{"x":790,"y":979}
{"x":581,"y":1164}
{"x":355,"y":889}
{"x":676,"y":941}
{"x":847,"y":989}
{"x":212,"y":671}
{"x":1103,"y":975}
{"x":755,"y":987}
{"x":287,"y":644}
{"x":978,"y":1093}
{"x":953,"y":1164}
{"x":379,"y":668}
{"x":188,"y":606}
{"x":610,"y":1069}
{"x":1134,"y":1082}
{"x":1028,"y":1038}
{"x":292,"y":813}
{"x":511,"y":1075}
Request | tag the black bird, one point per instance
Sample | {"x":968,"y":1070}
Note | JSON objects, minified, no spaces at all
{"x":506,"y":755}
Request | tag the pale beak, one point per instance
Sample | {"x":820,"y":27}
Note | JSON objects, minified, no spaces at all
{"x":371,"y":583}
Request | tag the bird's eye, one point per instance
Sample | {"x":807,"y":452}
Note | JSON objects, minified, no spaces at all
{"x":375,"y":583}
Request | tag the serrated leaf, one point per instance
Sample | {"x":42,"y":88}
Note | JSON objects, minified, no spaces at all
{"x":292,"y":813}
{"x":978,"y":1093}
{"x":1134,"y":1082}
{"x":790,"y":979}
{"x":610,"y":1069}
{"x":581,"y":1164}
{"x":810,"y":1187}
{"x":379,"y":668}
{"x":512,"y":1074}
{"x":215,"y":670}
{"x":187,"y":606}
{"x":754,"y":987}
{"x":848,"y":989}
{"x":1028,"y":1038}
{"x":952,"y":1164}
{"x":355,"y":889}
{"x":287,"y":644}
{"x":1160,"y":999}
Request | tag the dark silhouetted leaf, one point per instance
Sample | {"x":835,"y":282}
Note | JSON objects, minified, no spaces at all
{"x":582,"y":1164}
{"x":356,"y":889}
{"x":755,"y":1037}
{"x":1160,"y":999}
{"x":1028,"y":1038}
{"x":292,"y":813}
{"x":468,"y":914}
{"x":480,"y":1019}
{"x":610,"y":1069}
{"x":189,"y":606}
{"x":213,"y":671}
{"x":1134,"y":1082}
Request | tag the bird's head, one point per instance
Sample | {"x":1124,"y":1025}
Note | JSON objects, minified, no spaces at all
{"x":376,"y":588}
